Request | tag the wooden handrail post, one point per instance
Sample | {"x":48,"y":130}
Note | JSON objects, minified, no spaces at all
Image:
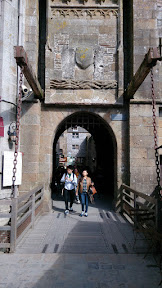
{"x":122,"y":199}
{"x":135,"y":207}
{"x":33,"y":210}
{"x":13,"y":234}
{"x":159,"y":215}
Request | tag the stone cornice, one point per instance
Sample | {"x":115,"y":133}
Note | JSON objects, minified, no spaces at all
{"x":84,"y":12}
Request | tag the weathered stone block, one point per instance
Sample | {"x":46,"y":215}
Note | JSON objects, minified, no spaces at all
{"x":105,"y":29}
{"x":68,"y":63}
{"x":30,"y":135}
{"x":141,"y":141}
{"x":29,"y":177}
{"x":81,"y":40}
{"x":84,"y":74}
{"x":137,"y":153}
{"x":33,"y":149}
{"x":31,"y":167}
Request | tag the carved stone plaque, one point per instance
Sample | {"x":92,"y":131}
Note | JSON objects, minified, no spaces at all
{"x":84,"y":57}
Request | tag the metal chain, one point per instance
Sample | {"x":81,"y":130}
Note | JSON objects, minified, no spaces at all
{"x":19,"y":101}
{"x":155,"y":130}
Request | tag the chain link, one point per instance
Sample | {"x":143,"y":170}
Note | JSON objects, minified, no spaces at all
{"x":155,"y":130}
{"x":19,"y":101}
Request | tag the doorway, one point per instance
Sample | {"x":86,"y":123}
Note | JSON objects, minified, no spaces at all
{"x":104,"y":172}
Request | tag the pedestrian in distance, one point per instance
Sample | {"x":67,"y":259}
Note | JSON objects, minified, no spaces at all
{"x":70,"y":183}
{"x":83,"y":186}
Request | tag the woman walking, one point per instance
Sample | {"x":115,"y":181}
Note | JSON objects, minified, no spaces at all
{"x":83,"y":186}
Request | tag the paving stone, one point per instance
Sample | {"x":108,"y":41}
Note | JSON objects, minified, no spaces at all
{"x":84,"y":259}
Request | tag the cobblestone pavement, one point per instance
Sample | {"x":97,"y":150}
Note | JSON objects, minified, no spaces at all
{"x":70,"y":251}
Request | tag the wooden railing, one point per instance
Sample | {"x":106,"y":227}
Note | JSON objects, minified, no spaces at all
{"x":144,"y":212}
{"x":134,"y":203}
{"x":24,"y":210}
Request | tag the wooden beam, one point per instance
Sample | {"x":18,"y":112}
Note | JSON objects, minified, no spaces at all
{"x":22,"y":60}
{"x":149,"y":61}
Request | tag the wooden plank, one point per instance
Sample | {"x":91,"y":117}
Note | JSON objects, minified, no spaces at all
{"x":149,"y":61}
{"x":5,"y":202}
{"x":24,"y":207}
{"x":30,"y":193}
{"x":5,"y":215}
{"x":128,"y":195}
{"x":4,"y":245}
{"x":142,"y":195}
{"x":23,"y":218}
{"x":146,"y":207}
{"x":33,"y":210}
{"x":5,"y":228}
{"x":39,"y":195}
{"x":13,"y":234}
{"x":38,"y":204}
{"x":128,"y":203}
{"x":22,"y":60}
{"x":23,"y":233}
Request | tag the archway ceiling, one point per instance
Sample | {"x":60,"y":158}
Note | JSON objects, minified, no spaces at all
{"x":88,"y":121}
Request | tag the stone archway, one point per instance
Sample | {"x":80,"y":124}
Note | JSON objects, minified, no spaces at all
{"x":106,"y":146}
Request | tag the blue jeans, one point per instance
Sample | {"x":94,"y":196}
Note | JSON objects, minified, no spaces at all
{"x":84,"y":199}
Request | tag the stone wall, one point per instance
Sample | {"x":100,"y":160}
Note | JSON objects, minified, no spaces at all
{"x":12,"y":34}
{"x":30,"y":120}
{"x":142,"y":155}
{"x":73,"y":36}
{"x":82,"y":59}
{"x":30,"y":145}
{"x":146,"y":35}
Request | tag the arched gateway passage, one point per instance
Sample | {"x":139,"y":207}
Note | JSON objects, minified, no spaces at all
{"x":105,"y":143}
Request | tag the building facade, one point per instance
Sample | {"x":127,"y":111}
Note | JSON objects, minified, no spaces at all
{"x":84,"y":54}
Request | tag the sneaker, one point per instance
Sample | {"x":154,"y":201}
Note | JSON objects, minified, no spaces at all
{"x":86,"y":214}
{"x":71,"y":209}
{"x":81,"y":214}
{"x":66,"y":212}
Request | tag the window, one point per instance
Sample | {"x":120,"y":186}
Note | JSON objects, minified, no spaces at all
{"x":75,"y":146}
{"x":75,"y":135}
{"x":75,"y":128}
{"x":160,"y":112}
{"x":80,"y":160}
{"x":60,"y":151}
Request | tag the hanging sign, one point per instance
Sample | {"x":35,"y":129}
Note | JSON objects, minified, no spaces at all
{"x":8,"y":168}
{"x":119,"y":117}
{"x":1,"y":127}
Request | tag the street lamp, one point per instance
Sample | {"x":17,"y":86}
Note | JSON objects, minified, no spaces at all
{"x":12,"y":132}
